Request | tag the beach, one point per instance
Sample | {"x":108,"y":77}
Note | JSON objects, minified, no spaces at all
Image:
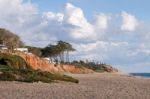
{"x":90,"y":86}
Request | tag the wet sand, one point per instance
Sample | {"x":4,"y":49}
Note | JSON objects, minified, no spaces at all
{"x":91,"y":86}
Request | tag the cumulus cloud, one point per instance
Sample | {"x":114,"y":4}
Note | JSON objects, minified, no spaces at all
{"x":101,"y":21}
{"x":81,"y":29}
{"x":15,"y":11}
{"x":129,"y":23}
{"x":13,"y":7}
{"x":50,"y":26}
{"x":50,"y":16}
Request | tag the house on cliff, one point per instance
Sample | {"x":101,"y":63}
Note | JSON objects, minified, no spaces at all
{"x":22,"y":50}
{"x":3,"y":47}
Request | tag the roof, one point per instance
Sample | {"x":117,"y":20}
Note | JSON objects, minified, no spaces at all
{"x":1,"y":45}
{"x":21,"y":49}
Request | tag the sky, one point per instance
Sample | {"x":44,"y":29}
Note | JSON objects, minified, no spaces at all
{"x":112,"y":31}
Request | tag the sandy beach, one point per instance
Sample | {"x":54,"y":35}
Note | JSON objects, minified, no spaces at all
{"x":91,"y":86}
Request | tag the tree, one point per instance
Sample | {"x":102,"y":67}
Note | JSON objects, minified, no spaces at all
{"x":68,"y":49}
{"x":64,"y":47}
{"x":10,"y":39}
{"x":51,"y":51}
{"x":35,"y":50}
{"x":61,"y":45}
{"x":58,"y":51}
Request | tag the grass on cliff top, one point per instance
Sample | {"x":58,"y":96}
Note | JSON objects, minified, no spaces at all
{"x":24,"y":75}
{"x":14,"y":68}
{"x":13,"y":61}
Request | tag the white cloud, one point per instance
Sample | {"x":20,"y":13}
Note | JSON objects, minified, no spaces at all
{"x":129,"y":23}
{"x":101,"y":21}
{"x":50,"y":16}
{"x":102,"y":50}
{"x":82,"y":28}
{"x":16,"y":7}
{"x":139,"y":51}
{"x":85,"y":47}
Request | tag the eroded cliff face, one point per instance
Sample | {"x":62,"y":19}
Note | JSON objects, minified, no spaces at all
{"x":38,"y":63}
{"x":74,"y":69}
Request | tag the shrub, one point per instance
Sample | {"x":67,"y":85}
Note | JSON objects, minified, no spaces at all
{"x":33,"y":76}
{"x":13,"y":61}
{"x":7,"y":76}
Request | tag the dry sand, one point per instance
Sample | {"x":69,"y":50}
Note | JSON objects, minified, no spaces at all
{"x":91,"y":86}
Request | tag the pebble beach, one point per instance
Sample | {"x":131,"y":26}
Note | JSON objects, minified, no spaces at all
{"x":90,"y":86}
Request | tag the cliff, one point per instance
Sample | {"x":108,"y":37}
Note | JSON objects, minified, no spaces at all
{"x":15,"y":68}
{"x":38,"y":63}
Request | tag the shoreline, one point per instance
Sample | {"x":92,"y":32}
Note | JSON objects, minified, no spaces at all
{"x":131,"y":75}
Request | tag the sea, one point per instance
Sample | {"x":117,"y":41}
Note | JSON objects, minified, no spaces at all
{"x":145,"y":75}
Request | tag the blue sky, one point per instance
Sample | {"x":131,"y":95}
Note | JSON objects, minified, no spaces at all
{"x":113,"y":31}
{"x":140,"y":8}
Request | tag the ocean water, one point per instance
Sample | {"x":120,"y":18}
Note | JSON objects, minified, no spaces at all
{"x":146,"y":75}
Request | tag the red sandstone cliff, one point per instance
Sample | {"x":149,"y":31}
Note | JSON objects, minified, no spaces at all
{"x":42,"y":64}
{"x":38,"y":63}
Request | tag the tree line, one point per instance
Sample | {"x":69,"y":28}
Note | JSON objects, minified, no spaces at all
{"x":56,"y":52}
{"x":96,"y":66}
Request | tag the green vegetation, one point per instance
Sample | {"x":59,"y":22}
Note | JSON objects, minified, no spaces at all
{"x":14,"y":68}
{"x":57,"y":52}
{"x":35,"y":50}
{"x":97,"y":67}
{"x":33,"y":76}
{"x":13,"y":61}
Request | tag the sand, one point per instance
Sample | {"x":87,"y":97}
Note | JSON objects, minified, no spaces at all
{"x":91,"y":86}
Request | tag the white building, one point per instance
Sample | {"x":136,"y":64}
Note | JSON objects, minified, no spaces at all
{"x":3,"y":47}
{"x":47,"y":59}
{"x":51,"y":61}
{"x":22,"y":49}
